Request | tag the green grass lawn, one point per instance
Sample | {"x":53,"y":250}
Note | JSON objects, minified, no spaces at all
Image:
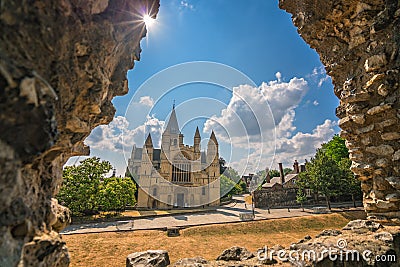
{"x":111,"y":249}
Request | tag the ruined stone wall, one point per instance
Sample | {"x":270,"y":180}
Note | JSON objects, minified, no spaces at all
{"x":358,"y":42}
{"x":61,"y":63}
{"x":266,"y":198}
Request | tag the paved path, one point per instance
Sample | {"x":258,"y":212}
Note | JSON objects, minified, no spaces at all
{"x":225,"y":214}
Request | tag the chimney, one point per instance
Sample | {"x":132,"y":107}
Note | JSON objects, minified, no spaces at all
{"x":267,"y":177}
{"x":282,"y":175}
{"x":296,"y":166}
{"x":302,"y":168}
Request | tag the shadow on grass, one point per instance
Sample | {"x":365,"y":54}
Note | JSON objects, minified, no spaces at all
{"x":102,"y":217}
{"x":354,"y":215}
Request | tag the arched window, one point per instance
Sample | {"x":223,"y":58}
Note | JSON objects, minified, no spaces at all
{"x":181,"y":170}
{"x":154,"y":191}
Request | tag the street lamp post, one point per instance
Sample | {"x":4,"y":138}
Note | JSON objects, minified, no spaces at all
{"x":252,"y":203}
{"x":252,"y":188}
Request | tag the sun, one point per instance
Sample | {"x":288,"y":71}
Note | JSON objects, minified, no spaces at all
{"x":148,"y":20}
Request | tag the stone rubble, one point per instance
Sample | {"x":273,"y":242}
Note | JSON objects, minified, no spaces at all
{"x":155,"y":258}
{"x":192,"y":262}
{"x":235,"y":254}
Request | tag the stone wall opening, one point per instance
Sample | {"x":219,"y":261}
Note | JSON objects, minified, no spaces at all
{"x":358,"y":42}
{"x":61,"y":63}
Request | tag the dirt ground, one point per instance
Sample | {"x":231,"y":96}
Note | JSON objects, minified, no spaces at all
{"x":111,"y":249}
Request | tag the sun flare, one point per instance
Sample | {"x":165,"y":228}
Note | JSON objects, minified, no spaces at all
{"x":148,"y":20}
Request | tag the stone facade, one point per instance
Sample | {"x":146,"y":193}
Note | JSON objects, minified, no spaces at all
{"x":61,"y":63}
{"x":358,"y":42}
{"x":280,"y":197}
{"x":177,"y":175}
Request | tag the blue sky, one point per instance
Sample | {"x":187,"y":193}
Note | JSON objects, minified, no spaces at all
{"x":258,"y":40}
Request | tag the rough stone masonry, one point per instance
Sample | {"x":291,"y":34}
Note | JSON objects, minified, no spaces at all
{"x":61,"y":63}
{"x":359,"y":42}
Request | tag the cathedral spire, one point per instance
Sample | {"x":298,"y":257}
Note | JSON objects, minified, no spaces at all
{"x":149,"y":141}
{"x":172,"y":126}
{"x":197,"y":133}
{"x":212,"y":137}
{"x":196,"y":143}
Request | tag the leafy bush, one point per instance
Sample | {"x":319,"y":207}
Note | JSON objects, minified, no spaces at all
{"x":230,"y":187}
{"x":117,"y":193}
{"x":85,"y":190}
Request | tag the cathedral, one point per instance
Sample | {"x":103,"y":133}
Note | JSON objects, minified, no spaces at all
{"x":176,"y":175}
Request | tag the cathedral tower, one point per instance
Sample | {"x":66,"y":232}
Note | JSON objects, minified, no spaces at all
{"x":213,"y":157}
{"x":176,"y":175}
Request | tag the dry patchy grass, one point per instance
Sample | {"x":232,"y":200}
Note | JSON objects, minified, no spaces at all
{"x":111,"y":249}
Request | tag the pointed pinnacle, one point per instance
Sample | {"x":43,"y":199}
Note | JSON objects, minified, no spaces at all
{"x":197,"y":133}
{"x":149,"y":141}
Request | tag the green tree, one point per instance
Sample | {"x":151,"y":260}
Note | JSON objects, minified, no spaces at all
{"x":242,"y":185}
{"x":116,"y":193}
{"x":350,"y":185}
{"x":304,"y":182}
{"x":329,"y":172}
{"x":81,"y":185}
{"x":301,"y":197}
{"x":323,"y":175}
{"x":336,"y":149}
{"x":222,"y":166}
{"x":232,"y":174}
{"x":272,"y":173}
{"x":134,"y":177}
{"x":229,"y":187}
{"x":286,"y":171}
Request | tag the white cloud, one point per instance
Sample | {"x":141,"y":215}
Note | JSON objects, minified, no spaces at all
{"x":153,"y":126}
{"x":278,"y":75}
{"x":118,"y":137}
{"x":186,"y":5}
{"x":248,"y":117}
{"x":322,"y":80}
{"x":247,"y":123}
{"x":147,"y":101}
{"x":303,"y":145}
{"x":299,"y":147}
{"x":315,"y":103}
{"x":319,"y":76}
